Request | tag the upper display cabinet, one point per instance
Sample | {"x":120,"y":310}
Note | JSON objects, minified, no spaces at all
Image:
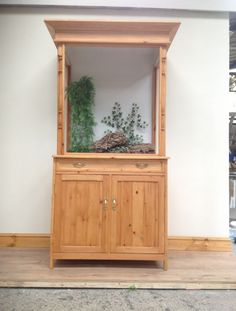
{"x":111,"y":85}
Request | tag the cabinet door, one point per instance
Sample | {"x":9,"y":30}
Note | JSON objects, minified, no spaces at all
{"x":80,"y":213}
{"x":138,"y":215}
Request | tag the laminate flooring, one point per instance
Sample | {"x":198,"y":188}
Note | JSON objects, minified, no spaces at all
{"x":25,"y":267}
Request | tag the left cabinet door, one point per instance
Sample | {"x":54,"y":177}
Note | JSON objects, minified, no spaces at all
{"x":80,"y":213}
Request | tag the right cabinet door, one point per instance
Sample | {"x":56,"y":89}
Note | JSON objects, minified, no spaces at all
{"x":138,"y":214}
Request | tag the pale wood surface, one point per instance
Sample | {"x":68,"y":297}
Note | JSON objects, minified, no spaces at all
{"x":79,"y":223}
{"x":29,"y":267}
{"x":154,"y":108}
{"x":199,"y":244}
{"x":116,"y":32}
{"x":24,"y":240}
{"x":79,"y":217}
{"x":104,"y":155}
{"x":60,"y":98}
{"x":137,"y":220}
{"x":162,"y":101}
{"x":134,"y":214}
{"x":68,"y":109}
{"x":173,"y":243}
{"x":110,"y":165}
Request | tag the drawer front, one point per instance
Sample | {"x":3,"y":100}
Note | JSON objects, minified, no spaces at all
{"x":110,"y":165}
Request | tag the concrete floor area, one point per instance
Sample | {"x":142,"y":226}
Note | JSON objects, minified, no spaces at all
{"x":13,"y":299}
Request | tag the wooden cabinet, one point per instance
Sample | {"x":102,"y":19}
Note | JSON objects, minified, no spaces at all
{"x":115,"y":214}
{"x":111,"y":205}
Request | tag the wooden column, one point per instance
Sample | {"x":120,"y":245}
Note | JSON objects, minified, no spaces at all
{"x":60,"y":97}
{"x":162,"y":102}
{"x":68,"y":123}
{"x":154,"y":106}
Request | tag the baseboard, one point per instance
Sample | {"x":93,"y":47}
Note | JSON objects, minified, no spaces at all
{"x":174,"y":243}
{"x":199,"y":244}
{"x":24,"y":240}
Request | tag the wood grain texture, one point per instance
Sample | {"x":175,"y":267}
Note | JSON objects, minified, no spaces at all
{"x":60,"y":98}
{"x":68,"y":73}
{"x":187,"y":270}
{"x":154,"y":107}
{"x":84,"y":165}
{"x":174,"y":243}
{"x":199,"y":244}
{"x":132,"y":226}
{"x":24,"y":240}
{"x":79,"y":218}
{"x":137,"y":222}
{"x":110,"y":156}
{"x":116,"y":32}
{"x":162,"y":101}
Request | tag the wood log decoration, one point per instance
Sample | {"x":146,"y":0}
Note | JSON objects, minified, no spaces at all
{"x":142,"y":148}
{"x":109,"y":141}
{"x":117,"y":142}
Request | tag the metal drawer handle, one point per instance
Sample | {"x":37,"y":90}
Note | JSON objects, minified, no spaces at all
{"x":105,"y":204}
{"x":141,"y":165}
{"x":114,"y":205}
{"x":79,"y":164}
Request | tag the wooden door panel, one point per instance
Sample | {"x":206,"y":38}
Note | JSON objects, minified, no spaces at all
{"x":80,"y":220}
{"x":138,"y":220}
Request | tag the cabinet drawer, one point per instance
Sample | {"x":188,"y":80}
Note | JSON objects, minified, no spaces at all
{"x":110,"y":165}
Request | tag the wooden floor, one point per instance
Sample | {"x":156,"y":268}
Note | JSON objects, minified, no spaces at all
{"x":22,"y":267}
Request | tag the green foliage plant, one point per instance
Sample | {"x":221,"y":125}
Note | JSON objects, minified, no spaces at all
{"x":80,"y":95}
{"x":133,"y":121}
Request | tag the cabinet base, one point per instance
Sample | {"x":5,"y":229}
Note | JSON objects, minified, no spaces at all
{"x":142,"y":257}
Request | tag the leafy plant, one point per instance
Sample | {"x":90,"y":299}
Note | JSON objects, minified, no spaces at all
{"x":80,"y":96}
{"x":132,"y":287}
{"x":127,"y":124}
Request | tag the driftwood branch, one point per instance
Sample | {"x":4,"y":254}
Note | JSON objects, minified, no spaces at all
{"x":142,"y":148}
{"x":109,"y":141}
{"x":117,"y":142}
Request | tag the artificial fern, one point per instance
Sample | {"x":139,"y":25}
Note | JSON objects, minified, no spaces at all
{"x":80,"y":96}
{"x":128,"y":124}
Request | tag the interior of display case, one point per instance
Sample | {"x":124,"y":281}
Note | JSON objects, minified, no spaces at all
{"x":123,"y":114}
{"x":111,"y":85}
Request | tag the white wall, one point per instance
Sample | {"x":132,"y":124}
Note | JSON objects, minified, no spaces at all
{"x":122,"y":75}
{"x":197,"y":122}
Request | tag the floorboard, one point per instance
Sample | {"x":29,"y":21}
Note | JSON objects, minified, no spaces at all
{"x":22,"y":267}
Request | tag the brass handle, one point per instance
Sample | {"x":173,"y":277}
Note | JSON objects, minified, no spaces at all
{"x":79,"y":164}
{"x":105,"y":204}
{"x":114,"y":205}
{"x":141,"y":165}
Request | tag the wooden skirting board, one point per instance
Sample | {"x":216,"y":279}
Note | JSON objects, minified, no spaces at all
{"x":199,"y":244}
{"x":24,"y":240}
{"x":174,"y":243}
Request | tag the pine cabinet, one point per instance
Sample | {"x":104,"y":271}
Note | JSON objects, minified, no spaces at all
{"x":112,"y":205}
{"x":113,"y":211}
